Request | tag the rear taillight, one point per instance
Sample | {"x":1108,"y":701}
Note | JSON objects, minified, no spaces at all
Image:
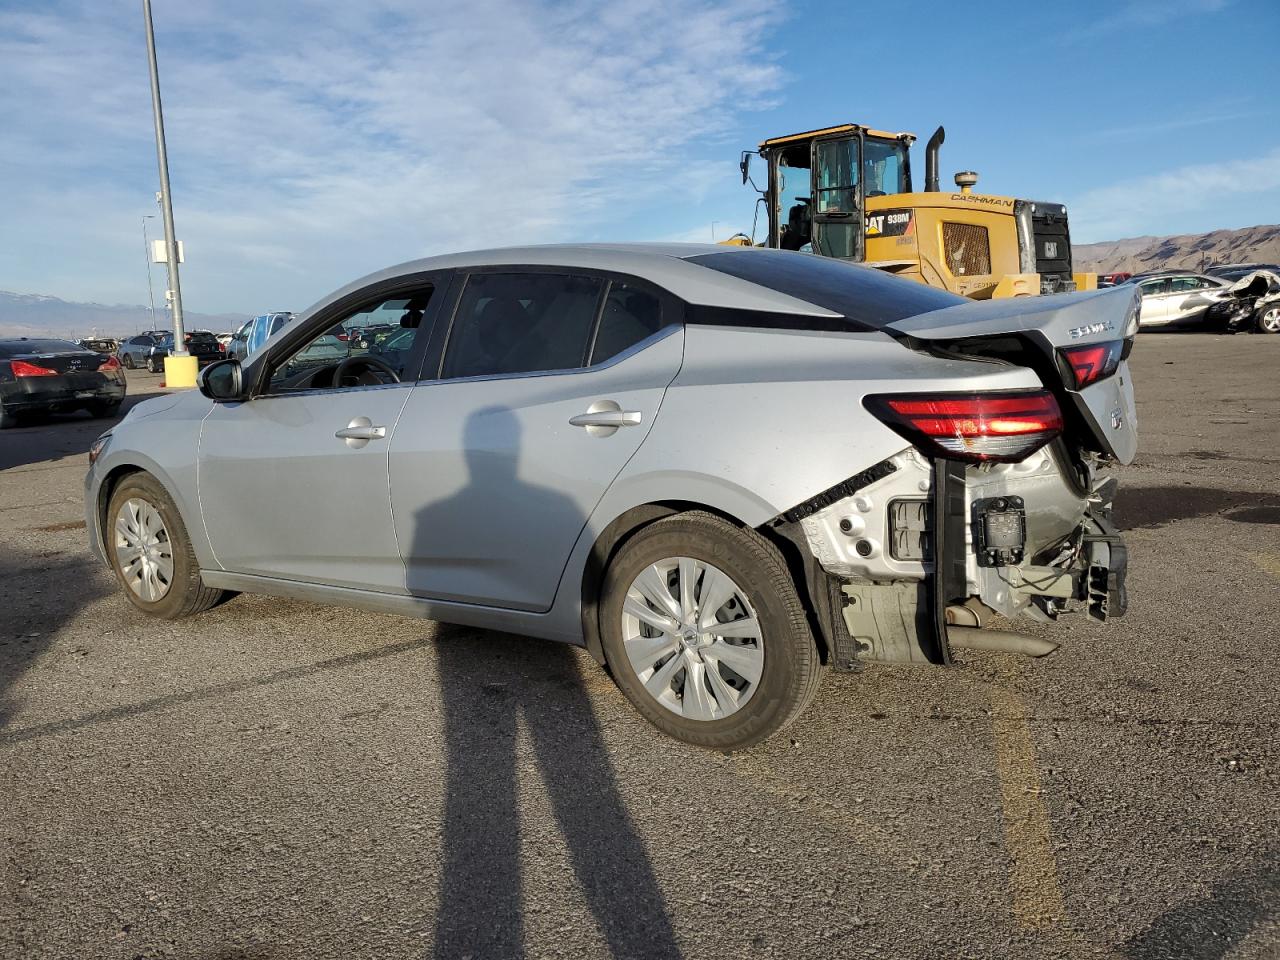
{"x":1091,"y":362}
{"x":222,"y":347}
{"x":111,"y":364}
{"x":21,"y":368}
{"x":980,"y":427}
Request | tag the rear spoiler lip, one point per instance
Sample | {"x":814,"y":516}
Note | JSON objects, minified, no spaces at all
{"x":1062,"y":319}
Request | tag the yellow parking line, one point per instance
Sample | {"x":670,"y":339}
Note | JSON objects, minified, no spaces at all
{"x":1268,"y":562}
{"x":1034,"y":891}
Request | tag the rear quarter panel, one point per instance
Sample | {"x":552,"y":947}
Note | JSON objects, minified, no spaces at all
{"x":758,"y":421}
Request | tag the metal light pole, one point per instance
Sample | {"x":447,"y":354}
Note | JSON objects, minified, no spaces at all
{"x":151,"y":290}
{"x":174,"y":293}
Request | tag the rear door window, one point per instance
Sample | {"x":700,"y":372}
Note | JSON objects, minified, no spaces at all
{"x":630,"y":315}
{"x":511,"y":323}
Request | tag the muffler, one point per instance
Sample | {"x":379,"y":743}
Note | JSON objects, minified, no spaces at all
{"x":1002,"y":641}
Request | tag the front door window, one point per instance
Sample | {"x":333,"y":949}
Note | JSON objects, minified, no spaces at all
{"x":370,"y":346}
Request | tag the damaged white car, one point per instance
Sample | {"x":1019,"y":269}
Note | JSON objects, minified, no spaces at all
{"x":721,"y":470}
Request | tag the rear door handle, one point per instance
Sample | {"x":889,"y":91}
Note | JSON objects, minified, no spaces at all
{"x":604,"y":417}
{"x":359,"y":432}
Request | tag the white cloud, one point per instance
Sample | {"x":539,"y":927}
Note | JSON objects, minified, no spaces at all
{"x":312,"y":142}
{"x":1137,"y":14}
{"x":1134,"y":206}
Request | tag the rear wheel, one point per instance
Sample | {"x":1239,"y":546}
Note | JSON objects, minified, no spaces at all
{"x":1269,"y":319}
{"x":7,"y":418}
{"x":150,"y":552}
{"x":705,"y":634}
{"x":127,"y":360}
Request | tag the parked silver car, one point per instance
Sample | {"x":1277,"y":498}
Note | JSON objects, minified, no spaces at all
{"x":719,"y":469}
{"x":1173,"y":299}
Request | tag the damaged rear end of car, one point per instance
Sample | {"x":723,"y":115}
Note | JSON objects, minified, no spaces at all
{"x":999,"y":503}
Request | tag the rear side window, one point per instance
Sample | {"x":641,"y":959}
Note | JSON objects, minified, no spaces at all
{"x":629,"y":316}
{"x":19,"y":348}
{"x":868,"y":298}
{"x":521,"y":323}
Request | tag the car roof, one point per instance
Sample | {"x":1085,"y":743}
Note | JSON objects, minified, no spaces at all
{"x":663,"y":264}
{"x":1157,"y":274}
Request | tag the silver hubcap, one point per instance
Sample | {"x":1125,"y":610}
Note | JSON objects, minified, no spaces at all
{"x":1271,"y":320}
{"x":143,"y":551}
{"x":692,"y":638}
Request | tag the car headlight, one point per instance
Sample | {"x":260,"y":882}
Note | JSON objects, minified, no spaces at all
{"x":98,"y":446}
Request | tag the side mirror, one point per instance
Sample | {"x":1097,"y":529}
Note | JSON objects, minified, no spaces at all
{"x":745,"y":166}
{"x":221,"y":381}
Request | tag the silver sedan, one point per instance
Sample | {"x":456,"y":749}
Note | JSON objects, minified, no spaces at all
{"x":721,"y":470}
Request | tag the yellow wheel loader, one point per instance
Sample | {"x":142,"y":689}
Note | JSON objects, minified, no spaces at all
{"x":846,"y":192}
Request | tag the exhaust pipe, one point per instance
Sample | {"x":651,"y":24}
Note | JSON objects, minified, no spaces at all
{"x":931,"y":161}
{"x":1003,"y":641}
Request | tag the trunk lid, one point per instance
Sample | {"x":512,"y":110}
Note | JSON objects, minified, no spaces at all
{"x":67,"y":363}
{"x":1032,"y":331}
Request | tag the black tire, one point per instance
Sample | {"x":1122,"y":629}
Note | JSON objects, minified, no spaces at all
{"x":152,"y":365}
{"x":104,"y":410}
{"x":127,"y":360}
{"x":7,"y":418}
{"x":792,"y":668}
{"x":187,"y":595}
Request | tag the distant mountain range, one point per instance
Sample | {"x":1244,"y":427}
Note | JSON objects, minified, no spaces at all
{"x":26,"y":315}
{"x":1185,"y":252}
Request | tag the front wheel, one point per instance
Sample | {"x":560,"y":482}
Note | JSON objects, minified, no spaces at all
{"x":127,"y":360}
{"x":150,"y":552}
{"x":1269,"y":319}
{"x":153,"y":365}
{"x":705,"y":634}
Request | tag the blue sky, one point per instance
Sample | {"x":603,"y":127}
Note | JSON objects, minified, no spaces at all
{"x":312,"y":142}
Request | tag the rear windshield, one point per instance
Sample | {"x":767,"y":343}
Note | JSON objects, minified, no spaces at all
{"x":201,"y":335}
{"x":870,"y":298}
{"x":19,"y":348}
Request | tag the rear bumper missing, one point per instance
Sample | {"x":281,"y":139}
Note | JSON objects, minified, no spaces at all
{"x":920,"y":542}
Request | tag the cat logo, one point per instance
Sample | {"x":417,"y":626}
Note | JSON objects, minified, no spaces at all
{"x":889,"y":223}
{"x":1051,"y":249}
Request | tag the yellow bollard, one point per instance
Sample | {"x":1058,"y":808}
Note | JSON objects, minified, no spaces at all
{"x":180,"y":372}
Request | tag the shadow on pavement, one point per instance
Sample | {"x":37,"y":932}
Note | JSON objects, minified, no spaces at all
{"x":1145,"y":507}
{"x":29,"y":624}
{"x":486,"y":695}
{"x":1212,"y":927}
{"x":59,"y":435}
{"x":487,"y":690}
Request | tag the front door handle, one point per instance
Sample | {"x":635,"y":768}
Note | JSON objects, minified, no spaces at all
{"x":604,"y":417}
{"x":359,"y":432}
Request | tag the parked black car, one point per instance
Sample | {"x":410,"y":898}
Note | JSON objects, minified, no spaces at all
{"x":40,"y":376}
{"x":201,"y":344}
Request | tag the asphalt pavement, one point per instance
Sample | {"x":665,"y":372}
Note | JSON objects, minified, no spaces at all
{"x":278,"y":779}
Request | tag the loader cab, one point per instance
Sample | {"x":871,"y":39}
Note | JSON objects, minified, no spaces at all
{"x":819,"y":181}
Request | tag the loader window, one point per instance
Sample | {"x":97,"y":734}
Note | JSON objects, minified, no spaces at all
{"x":794,"y":187}
{"x":837,"y":176}
{"x":884,"y":167}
